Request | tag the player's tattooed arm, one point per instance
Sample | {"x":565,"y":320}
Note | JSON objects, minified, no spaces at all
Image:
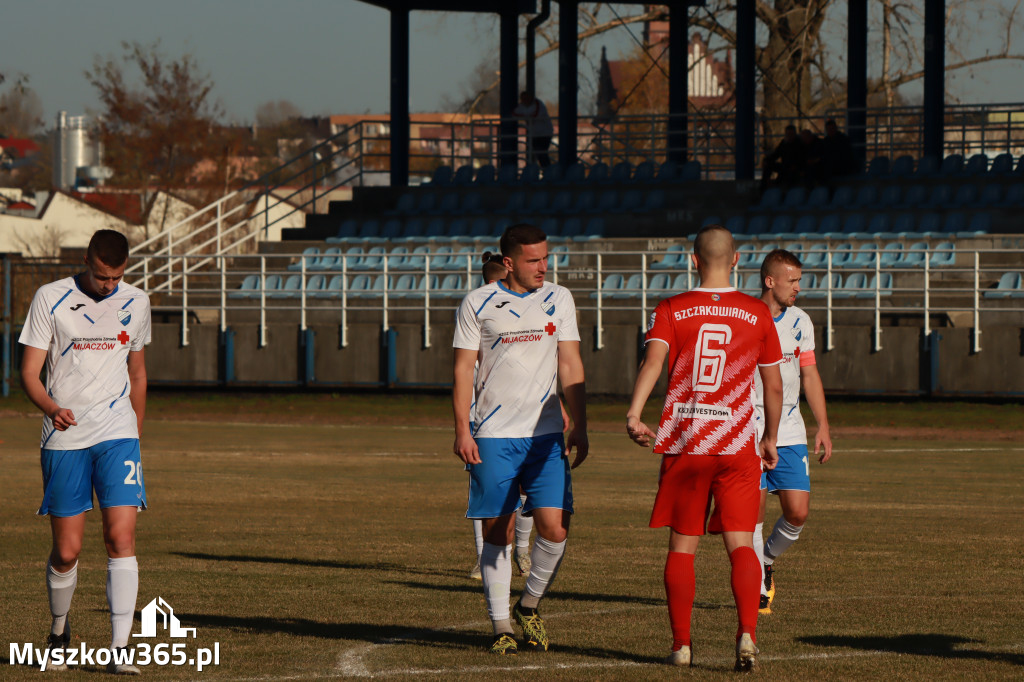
{"x":655,"y":353}
{"x":31,"y":365}
{"x":465,"y":447}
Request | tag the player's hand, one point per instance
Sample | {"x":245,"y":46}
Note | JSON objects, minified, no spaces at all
{"x":769,"y":455}
{"x":639,"y":432}
{"x":823,"y":442}
{"x":465,"y":448}
{"x":63,"y":418}
{"x":577,"y":439}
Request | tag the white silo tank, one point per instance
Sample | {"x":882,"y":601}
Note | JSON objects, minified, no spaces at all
{"x":72,"y":148}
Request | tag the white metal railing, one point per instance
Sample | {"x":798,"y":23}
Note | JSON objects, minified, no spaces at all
{"x":265,"y":285}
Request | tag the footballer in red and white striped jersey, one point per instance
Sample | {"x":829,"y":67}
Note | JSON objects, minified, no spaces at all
{"x":716,"y":340}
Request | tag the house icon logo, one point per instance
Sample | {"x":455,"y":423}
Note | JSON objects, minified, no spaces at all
{"x":158,"y":609}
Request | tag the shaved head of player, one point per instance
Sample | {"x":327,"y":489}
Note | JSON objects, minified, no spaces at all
{"x":523,"y":332}
{"x":714,"y":255}
{"x":715,"y":340}
{"x":90,"y":330}
{"x":525,"y":250}
{"x":790,"y":480}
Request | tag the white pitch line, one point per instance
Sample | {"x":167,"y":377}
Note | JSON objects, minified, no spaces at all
{"x":904,"y":450}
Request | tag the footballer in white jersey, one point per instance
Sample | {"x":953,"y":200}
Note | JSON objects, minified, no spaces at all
{"x":90,"y":332}
{"x":790,"y":480}
{"x":523,"y":333}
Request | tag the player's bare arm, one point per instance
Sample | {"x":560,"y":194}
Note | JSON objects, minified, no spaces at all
{"x":814,"y":391}
{"x":570,"y":375}
{"x":647,"y":376}
{"x":31,"y":365}
{"x":462,"y":397}
{"x":771,"y":379}
{"x":137,"y":377}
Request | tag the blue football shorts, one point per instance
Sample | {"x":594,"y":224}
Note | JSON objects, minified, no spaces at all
{"x":791,"y":473}
{"x":538,"y":464}
{"x":113,"y":468}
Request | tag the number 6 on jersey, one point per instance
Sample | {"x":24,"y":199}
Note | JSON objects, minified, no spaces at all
{"x":709,"y":364}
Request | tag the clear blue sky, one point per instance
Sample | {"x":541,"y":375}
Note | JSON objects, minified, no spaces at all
{"x":325,"y":56}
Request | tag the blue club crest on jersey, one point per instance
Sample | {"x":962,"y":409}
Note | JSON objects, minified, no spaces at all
{"x":124,"y":317}
{"x":548,"y":307}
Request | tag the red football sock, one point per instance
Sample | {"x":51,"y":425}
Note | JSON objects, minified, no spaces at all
{"x":746,"y":574}
{"x":680,"y":588}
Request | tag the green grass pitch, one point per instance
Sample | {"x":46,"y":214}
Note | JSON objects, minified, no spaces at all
{"x":315,"y":537}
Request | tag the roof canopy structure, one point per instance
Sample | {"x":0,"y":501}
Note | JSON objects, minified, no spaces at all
{"x":746,"y":17}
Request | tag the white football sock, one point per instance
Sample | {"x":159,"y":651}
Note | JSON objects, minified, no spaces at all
{"x":545,"y":558}
{"x":122,"y":590}
{"x":478,"y":535}
{"x":60,"y":587}
{"x":524,"y":526}
{"x":759,"y":550}
{"x":496,"y":571}
{"x":783,"y":535}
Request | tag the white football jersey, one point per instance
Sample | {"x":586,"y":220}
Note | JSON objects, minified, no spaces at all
{"x":517,"y":338}
{"x":796,"y":336}
{"x":87,"y":343}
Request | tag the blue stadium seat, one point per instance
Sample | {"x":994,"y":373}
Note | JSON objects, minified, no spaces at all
{"x":965,"y":195}
{"x":621,"y":173}
{"x":808,"y":280}
{"x":398,"y":258}
{"x":759,"y":225}
{"x":481,"y":228}
{"x":508,"y":174}
{"x":884,"y":281}
{"x":843,"y":198}
{"x":670,"y":258}
{"x":889,"y":197}
{"x":711,"y":220}
{"x":442,"y":176}
{"x":815,"y":256}
{"x":416,"y":260}
{"x":867,"y":197}
{"x":690,"y":171}
{"x":515,"y":205}
{"x":594,"y":229}
{"x":632,"y":288}
{"x":537,"y":203}
{"x":737,"y":225}
{"x":770,"y":200}
{"x":930,"y":224}
{"x":607,"y":202}
{"x":1002,"y":164}
{"x":463,"y":176}
{"x":878,"y":228}
{"x":915,"y":197}
{"x":954,"y":223}
{"x":558,"y":255}
{"x":879,"y":167}
{"x":842,"y":254}
{"x":904,"y":224}
{"x":326,"y":261}
{"x":781,"y":225}
{"x":420,"y":290}
{"x":576,"y":174}
{"x":851,"y":286}
{"x":249,"y":287}
{"x":272,"y":285}
{"x":461,"y":260}
{"x":806,"y":226}
{"x":795,"y":248}
{"x":572,"y":228}
{"x":1019,"y":169}
{"x":436,"y":230}
{"x":402,"y":286}
{"x":681,"y":282}
{"x":472,"y":203}
{"x":612,"y":285}
{"x":560,"y":203}
{"x":891,"y":255}
{"x":668,"y":172}
{"x":981,"y":223}
{"x":1014,"y":195}
{"x":751,"y":284}
{"x":458,"y":229}
{"x":632,"y":200}
{"x":903,"y":166}
{"x":371,"y":260}
{"x":855,"y":226}
{"x":369,"y":232}
{"x":644,"y":172}
{"x":448,"y":205}
{"x":333,"y":288}
{"x":486,"y":175}
{"x":660,"y":285}
{"x":315,"y":285}
{"x":359,"y":285}
{"x":927,"y":167}
{"x":816,"y":200}
{"x":952,"y":165}
{"x":831,"y":226}
{"x":552,"y":174}
{"x":865,"y":257}
{"x":310,"y":255}
{"x":654,"y":200}
{"x":940,"y":196}
{"x":976,"y":165}
{"x":943,"y":255}
{"x":598,"y":173}
{"x":584,"y":202}
{"x":375,"y":288}
{"x":530,"y":174}
{"x":794,"y":199}
{"x":440,"y":259}
{"x":451,"y":286}
{"x":990,"y":195}
{"x":821,"y":286}
{"x":1010,"y":283}
{"x":914,"y":256}
{"x":405,"y":205}
{"x":391,"y":230}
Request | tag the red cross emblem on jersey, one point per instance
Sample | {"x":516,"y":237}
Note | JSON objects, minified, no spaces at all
{"x":123,"y":337}
{"x":550,"y":328}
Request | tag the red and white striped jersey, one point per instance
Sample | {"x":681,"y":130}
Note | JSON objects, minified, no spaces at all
{"x":716,"y":339}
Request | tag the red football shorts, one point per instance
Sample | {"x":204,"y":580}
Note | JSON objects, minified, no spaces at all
{"x":689,"y":483}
